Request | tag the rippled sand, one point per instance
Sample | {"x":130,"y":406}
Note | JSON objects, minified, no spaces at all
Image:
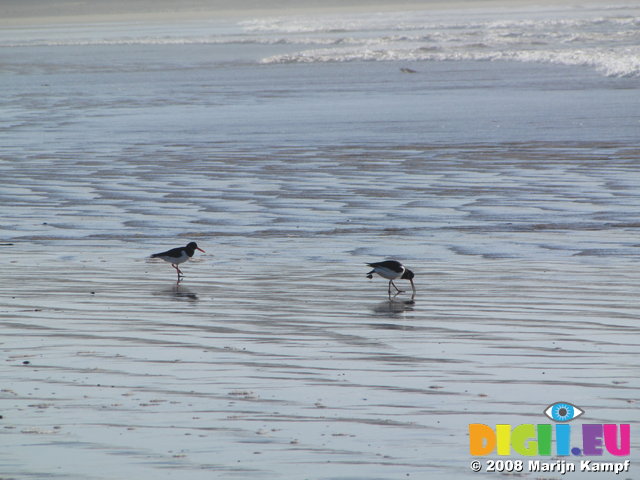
{"x":276,"y":357}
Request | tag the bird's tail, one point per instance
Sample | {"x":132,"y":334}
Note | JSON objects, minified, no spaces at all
{"x":370,"y":274}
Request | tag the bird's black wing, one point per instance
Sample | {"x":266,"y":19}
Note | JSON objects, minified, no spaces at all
{"x":392,"y":265}
{"x":174,"y":252}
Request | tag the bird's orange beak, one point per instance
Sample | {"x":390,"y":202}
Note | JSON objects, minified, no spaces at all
{"x":198,"y":248}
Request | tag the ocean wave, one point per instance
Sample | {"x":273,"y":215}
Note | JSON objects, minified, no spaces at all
{"x":420,"y":21}
{"x":605,"y":39}
{"x":612,"y":63}
{"x":172,"y":40}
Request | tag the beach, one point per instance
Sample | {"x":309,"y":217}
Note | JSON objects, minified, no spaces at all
{"x":295,"y":150}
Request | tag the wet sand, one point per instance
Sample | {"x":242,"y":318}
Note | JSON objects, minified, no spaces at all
{"x":285,"y":369}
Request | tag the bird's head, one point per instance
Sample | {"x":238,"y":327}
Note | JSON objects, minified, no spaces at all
{"x":193,"y":246}
{"x":407,"y":275}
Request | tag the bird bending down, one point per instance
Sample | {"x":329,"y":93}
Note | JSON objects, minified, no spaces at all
{"x":176,"y":256}
{"x":392,"y":270}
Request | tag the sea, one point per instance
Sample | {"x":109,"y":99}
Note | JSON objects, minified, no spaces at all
{"x":492,"y":149}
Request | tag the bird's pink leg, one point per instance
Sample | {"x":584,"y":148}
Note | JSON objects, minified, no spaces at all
{"x":177,"y":269}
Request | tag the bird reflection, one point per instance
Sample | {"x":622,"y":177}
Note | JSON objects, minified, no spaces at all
{"x":179,"y":292}
{"x":394,"y":306}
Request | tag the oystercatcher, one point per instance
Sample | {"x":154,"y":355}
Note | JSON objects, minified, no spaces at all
{"x":392,"y":270}
{"x":178,"y":255}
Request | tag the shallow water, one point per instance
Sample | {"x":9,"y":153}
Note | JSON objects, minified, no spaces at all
{"x":109,"y":363}
{"x":510,"y":190}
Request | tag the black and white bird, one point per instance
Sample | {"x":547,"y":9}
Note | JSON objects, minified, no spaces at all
{"x":178,"y":255}
{"x":392,"y":270}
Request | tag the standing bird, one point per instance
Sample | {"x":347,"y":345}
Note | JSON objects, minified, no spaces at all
{"x":391,"y":270}
{"x":175,"y":256}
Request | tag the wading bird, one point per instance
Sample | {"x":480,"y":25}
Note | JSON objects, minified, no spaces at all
{"x":392,"y":270}
{"x":176,"y":256}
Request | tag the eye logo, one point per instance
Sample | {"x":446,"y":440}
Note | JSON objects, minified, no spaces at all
{"x":562,"y":412}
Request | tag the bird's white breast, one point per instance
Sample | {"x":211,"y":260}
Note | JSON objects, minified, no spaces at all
{"x":182,"y":258}
{"x":387,"y":273}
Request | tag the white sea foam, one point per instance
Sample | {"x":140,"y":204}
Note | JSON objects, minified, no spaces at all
{"x":623,"y":62}
{"x":605,"y":39}
{"x":168,"y":40}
